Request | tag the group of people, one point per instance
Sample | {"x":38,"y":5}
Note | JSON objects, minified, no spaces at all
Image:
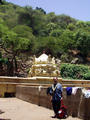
{"x":56,"y":97}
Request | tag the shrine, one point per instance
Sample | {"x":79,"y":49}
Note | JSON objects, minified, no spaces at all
{"x":44,"y":66}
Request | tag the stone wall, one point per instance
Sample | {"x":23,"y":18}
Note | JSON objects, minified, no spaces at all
{"x":33,"y":95}
{"x":7,"y":88}
{"x":8,"y":84}
{"x":77,"y":105}
{"x":44,"y":80}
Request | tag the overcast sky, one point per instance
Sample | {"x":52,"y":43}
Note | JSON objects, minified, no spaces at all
{"x":79,"y":9}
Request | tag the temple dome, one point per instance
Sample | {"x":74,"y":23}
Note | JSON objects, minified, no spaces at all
{"x":42,"y":58}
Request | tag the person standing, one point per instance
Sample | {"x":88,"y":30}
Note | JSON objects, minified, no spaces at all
{"x":56,"y":95}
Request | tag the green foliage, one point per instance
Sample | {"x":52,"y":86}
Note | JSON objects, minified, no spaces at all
{"x":38,"y":31}
{"x":86,"y":76}
{"x":82,"y":39}
{"x":3,"y":30}
{"x":41,"y":10}
{"x":67,"y":40}
{"x":2,"y":60}
{"x":81,"y":24}
{"x":74,"y":71}
{"x":45,"y":43}
{"x":65,"y":57}
{"x":23,"y":31}
{"x":9,"y":39}
{"x":14,"y":42}
{"x":71,"y":27}
{"x":56,"y":33}
{"x":49,"y":44}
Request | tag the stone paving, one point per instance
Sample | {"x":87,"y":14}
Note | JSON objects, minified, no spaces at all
{"x":16,"y":109}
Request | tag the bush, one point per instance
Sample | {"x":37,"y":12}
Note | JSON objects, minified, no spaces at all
{"x":74,"y":71}
{"x":87,"y":76}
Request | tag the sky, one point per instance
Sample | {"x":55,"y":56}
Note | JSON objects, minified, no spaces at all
{"x":78,"y":9}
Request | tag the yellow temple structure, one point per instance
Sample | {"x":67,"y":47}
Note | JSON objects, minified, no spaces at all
{"x":44,"y":66}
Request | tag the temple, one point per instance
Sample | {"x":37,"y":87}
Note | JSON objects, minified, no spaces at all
{"x":44,"y":66}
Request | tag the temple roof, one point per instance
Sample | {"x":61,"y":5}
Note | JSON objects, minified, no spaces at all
{"x":42,"y":57}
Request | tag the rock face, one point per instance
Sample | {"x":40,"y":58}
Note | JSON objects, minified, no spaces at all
{"x":44,"y":66}
{"x":74,"y":61}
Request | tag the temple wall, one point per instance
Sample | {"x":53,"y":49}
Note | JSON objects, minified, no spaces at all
{"x":43,"y":80}
{"x":33,"y":95}
{"x":27,"y":89}
{"x":7,"y":88}
{"x":8,"y":84}
{"x":77,"y":105}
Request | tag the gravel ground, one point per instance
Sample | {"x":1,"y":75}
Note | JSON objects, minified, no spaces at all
{"x":16,"y":109}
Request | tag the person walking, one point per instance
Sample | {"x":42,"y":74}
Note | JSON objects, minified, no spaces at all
{"x":56,"y":95}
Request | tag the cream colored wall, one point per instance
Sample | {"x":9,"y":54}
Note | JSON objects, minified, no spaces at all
{"x":8,"y":84}
{"x":9,"y":88}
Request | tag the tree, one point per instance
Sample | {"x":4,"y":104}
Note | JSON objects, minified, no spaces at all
{"x":23,"y":31}
{"x":63,"y":21}
{"x":3,"y":30}
{"x":56,"y":33}
{"x":49,"y":44}
{"x":50,"y":17}
{"x":40,"y":9}
{"x":81,"y":24}
{"x":38,"y":22}
{"x":33,"y":18}
{"x":67,"y":41}
{"x":25,"y":16}
{"x":82,"y":39}
{"x":51,"y":27}
{"x":71,"y":27}
{"x":14,"y":44}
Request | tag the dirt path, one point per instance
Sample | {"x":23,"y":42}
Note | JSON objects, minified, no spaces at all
{"x":15,"y":109}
